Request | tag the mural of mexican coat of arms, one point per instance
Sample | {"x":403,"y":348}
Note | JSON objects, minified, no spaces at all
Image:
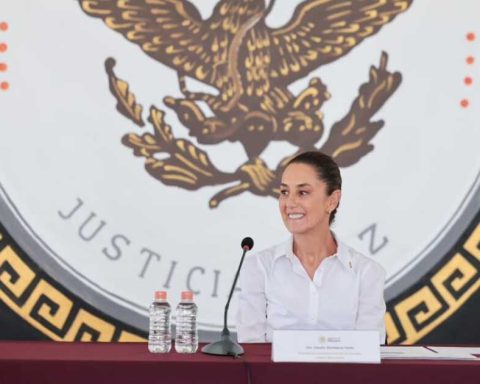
{"x":213,"y":97}
{"x":251,"y":66}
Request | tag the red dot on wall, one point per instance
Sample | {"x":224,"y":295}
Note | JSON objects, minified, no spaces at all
{"x":470,"y":60}
{"x":464,"y":103}
{"x":3,"y":47}
{"x":470,"y":36}
{"x":4,"y":85}
{"x":3,"y":26}
{"x":3,"y":67}
{"x":468,"y":80}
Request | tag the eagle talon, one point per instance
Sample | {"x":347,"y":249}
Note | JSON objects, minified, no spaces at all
{"x":313,"y":97}
{"x":210,"y":130}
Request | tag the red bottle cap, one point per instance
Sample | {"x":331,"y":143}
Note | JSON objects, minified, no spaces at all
{"x":187,"y":295}
{"x":160,"y":295}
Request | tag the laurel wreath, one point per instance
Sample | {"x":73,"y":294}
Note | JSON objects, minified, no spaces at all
{"x":185,"y":165}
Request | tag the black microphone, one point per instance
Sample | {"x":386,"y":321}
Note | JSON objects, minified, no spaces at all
{"x":247,"y":243}
{"x":226,"y":346}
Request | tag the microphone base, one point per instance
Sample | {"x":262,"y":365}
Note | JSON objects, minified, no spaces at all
{"x":224,"y":347}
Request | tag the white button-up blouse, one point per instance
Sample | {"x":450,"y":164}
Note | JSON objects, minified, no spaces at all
{"x":346,"y":293}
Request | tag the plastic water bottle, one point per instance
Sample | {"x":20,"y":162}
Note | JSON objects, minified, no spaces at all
{"x":160,"y":334}
{"x":186,"y":339}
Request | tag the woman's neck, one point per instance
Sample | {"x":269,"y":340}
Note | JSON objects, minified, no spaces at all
{"x":312,"y":248}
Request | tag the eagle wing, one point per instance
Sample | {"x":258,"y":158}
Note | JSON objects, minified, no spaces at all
{"x":321,"y":31}
{"x":170,"y":31}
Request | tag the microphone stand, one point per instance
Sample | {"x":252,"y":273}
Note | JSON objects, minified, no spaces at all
{"x":226,"y":346}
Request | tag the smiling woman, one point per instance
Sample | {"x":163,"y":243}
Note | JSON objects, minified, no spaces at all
{"x":313,"y":281}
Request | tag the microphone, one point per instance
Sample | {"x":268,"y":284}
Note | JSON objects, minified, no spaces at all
{"x":226,"y":346}
{"x":247,"y":243}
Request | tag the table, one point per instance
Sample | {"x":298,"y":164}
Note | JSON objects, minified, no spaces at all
{"x":89,"y":363}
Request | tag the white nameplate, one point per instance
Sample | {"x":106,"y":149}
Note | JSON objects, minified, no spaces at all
{"x":325,"y":346}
